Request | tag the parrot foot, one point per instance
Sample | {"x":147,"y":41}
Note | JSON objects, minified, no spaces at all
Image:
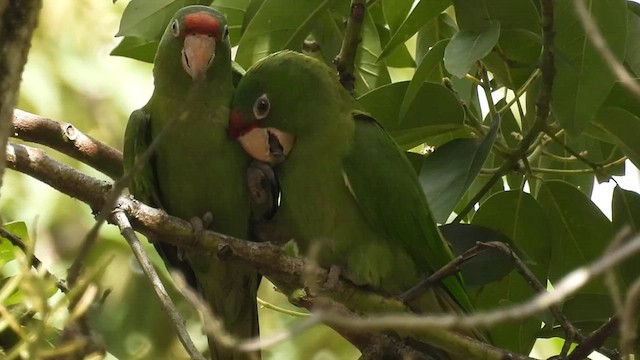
{"x":198,"y":225}
{"x":264,"y":190}
{"x":332,"y":276}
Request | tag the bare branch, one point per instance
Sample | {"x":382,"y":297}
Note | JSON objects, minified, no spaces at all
{"x":67,"y":139}
{"x":169,"y":308}
{"x":595,"y":340}
{"x":17,"y":21}
{"x":345,"y":60}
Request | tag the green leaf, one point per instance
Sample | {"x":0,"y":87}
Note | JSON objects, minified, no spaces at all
{"x":147,"y":19}
{"x":395,"y":12}
{"x":234,"y":11}
{"x":434,"y":111}
{"x":633,"y":45}
{"x":439,"y":28}
{"x":518,"y":47}
{"x":19,"y":229}
{"x":278,"y":25}
{"x":519,"y":217}
{"x":448,"y":172}
{"x":466,"y":47}
{"x":580,"y":231}
{"x":490,"y":265}
{"x":369,"y":73}
{"x":424,"y":11}
{"x":625,"y":212}
{"x":431,"y":69}
{"x":583,"y":79}
{"x":136,"y":48}
{"x":623,"y":127}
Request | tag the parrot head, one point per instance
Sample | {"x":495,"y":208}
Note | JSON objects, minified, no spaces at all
{"x":197,"y":34}
{"x":280,"y":100}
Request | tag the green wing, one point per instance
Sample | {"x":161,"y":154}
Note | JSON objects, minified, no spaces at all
{"x":137,"y":138}
{"x":376,"y":165}
{"x":144,"y":186}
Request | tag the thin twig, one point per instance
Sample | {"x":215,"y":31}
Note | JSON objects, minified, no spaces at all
{"x":594,"y":341}
{"x":629,"y":320}
{"x":119,"y":186}
{"x":169,"y":308}
{"x":345,"y":60}
{"x":600,"y":44}
{"x":267,"y":258}
{"x":547,"y":71}
{"x":34,"y":261}
{"x":67,"y":139}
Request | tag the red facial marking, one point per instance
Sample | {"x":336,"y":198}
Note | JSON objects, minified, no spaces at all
{"x":201,"y":23}
{"x":237,"y":126}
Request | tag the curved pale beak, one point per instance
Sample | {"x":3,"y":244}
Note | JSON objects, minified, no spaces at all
{"x":268,"y":144}
{"x":198,"y":52}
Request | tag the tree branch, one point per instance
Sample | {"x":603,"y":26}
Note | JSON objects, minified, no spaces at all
{"x":169,"y":308}
{"x":67,"y":139}
{"x":345,"y":60}
{"x":17,"y":21}
{"x":267,"y":258}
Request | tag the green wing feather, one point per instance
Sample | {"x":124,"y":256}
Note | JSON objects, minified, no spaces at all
{"x":144,"y":186}
{"x":376,"y":165}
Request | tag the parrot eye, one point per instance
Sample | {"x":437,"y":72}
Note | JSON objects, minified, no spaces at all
{"x":175,"y":28}
{"x":261,"y":107}
{"x":226,"y":32}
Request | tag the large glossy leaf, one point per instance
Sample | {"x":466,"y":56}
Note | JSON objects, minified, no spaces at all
{"x":370,"y":74}
{"x":448,"y":172}
{"x":439,"y":28}
{"x":431,"y":69}
{"x":435,"y":110}
{"x":136,"y":48}
{"x":234,"y":11}
{"x":467,"y":47}
{"x":633,"y":45}
{"x":583,"y":79}
{"x":625,"y":212}
{"x":519,"y":217}
{"x":147,"y":19}
{"x":395,"y":11}
{"x":623,"y":127}
{"x":580,"y":231}
{"x":490,"y":265}
{"x":278,"y":25}
{"x":424,"y":11}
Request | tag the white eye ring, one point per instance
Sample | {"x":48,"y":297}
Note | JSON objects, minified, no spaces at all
{"x":226,"y":32}
{"x":261,"y":107}
{"x":175,"y":28}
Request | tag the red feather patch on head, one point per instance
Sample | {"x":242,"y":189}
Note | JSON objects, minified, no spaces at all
{"x":237,"y":126}
{"x":201,"y":23}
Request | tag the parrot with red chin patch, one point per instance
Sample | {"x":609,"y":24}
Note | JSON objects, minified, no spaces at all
{"x":195,"y":167}
{"x":346,"y":186}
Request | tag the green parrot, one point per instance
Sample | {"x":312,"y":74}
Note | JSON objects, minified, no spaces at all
{"x":345,"y":184}
{"x":196,"y":168}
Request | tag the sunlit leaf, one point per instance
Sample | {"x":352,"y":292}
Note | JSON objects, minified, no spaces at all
{"x":136,"y":48}
{"x":424,"y":11}
{"x":278,"y":25}
{"x":147,"y":19}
